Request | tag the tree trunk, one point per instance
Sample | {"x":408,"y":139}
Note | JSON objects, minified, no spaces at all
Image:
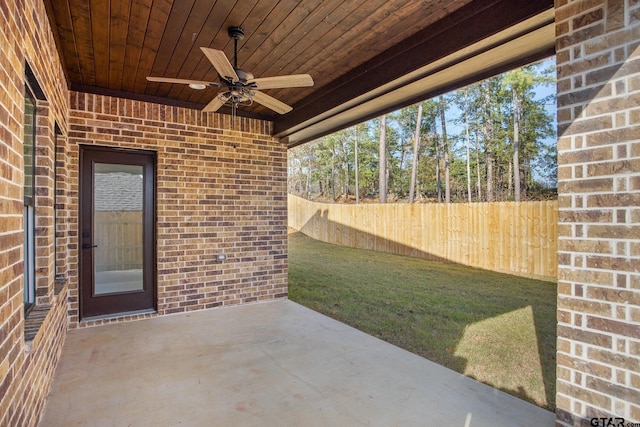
{"x":416,"y":147}
{"x":510,"y":180}
{"x":527,"y":176}
{"x":516,"y":145}
{"x":445,"y":149}
{"x":466,"y":126}
{"x":438,"y":182}
{"x":357,"y":171}
{"x":478,"y":184}
{"x":308,"y":185}
{"x":398,"y":182}
{"x":488,"y":136}
{"x":382,"y":166}
{"x":333,"y":170}
{"x":346,"y":181}
{"x":345,"y":167}
{"x":489,"y":156}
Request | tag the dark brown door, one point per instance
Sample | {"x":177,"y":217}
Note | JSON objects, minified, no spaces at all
{"x":117,"y":231}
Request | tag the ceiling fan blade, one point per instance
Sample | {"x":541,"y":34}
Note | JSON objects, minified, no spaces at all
{"x":293,"y":80}
{"x":271,"y":103}
{"x":182,"y":81}
{"x":217,"y":102}
{"x":221,"y":63}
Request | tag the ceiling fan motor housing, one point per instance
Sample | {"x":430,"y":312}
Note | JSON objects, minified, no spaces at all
{"x":243,"y":75}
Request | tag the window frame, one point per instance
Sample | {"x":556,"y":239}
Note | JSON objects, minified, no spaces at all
{"x":29,"y":216}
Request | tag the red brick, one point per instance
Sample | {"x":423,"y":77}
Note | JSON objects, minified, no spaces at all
{"x":614,"y":327}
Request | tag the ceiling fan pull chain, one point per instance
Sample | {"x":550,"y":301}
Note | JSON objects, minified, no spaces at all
{"x":234,"y":107}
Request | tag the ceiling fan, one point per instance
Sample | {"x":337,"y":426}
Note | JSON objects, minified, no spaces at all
{"x":240,"y":87}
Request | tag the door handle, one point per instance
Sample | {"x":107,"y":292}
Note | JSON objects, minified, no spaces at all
{"x":89,"y":246}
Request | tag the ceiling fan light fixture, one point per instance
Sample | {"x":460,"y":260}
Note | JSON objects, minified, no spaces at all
{"x":197,"y":86}
{"x":236,"y":97}
{"x":246,"y":100}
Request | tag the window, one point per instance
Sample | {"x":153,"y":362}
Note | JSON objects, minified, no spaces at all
{"x":29,"y":146}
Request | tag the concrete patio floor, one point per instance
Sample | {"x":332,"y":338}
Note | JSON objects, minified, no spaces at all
{"x":269,"y":364}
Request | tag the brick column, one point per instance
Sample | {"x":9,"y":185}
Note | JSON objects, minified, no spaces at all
{"x":63,"y":223}
{"x":599,"y":210}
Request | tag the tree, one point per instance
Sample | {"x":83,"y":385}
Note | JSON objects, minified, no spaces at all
{"x":416,"y":149}
{"x":487,"y":128}
{"x":357,"y":167}
{"x":468,"y":143}
{"x":467,"y":102}
{"x":516,"y":144}
{"x":382,"y":161}
{"x":301,"y":161}
{"x":437,"y":152}
{"x":445,"y":150}
{"x":343,"y":139}
{"x":529,"y":121}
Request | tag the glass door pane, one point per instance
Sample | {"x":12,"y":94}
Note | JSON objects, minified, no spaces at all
{"x":118,"y":198}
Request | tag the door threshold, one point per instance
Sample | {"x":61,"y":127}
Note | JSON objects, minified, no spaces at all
{"x":118,"y":317}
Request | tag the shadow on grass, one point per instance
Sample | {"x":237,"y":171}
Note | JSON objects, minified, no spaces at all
{"x":432,"y":308}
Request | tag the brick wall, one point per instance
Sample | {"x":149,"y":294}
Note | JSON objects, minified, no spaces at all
{"x":27,"y":363}
{"x":218,"y":191}
{"x":44,"y":199}
{"x":599,"y":201}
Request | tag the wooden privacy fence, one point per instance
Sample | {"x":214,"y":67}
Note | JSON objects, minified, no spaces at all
{"x":510,"y":237}
{"x":119,"y":239}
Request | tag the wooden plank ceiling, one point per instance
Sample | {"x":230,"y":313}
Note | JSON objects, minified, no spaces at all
{"x":348,"y":47}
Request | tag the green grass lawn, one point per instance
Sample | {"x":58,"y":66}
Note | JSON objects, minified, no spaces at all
{"x":496,"y":328}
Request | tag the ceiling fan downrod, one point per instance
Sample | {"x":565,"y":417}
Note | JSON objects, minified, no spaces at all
{"x":236,"y":33}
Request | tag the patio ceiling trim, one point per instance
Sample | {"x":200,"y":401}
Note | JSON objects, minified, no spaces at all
{"x":159,"y":100}
{"x":396,"y":79}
